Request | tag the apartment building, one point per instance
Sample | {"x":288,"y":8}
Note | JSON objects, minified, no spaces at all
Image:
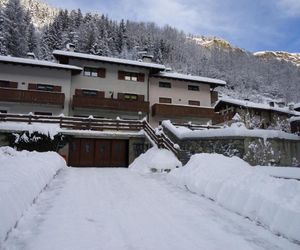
{"x":29,"y":85}
{"x":182,"y":98}
{"x":109,"y":87}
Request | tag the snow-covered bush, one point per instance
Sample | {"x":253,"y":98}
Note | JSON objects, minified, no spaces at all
{"x":234,"y":184}
{"x":35,"y":141}
{"x":155,"y":160}
{"x":23,"y":175}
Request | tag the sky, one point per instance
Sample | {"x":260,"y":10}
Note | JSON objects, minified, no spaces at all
{"x":254,"y":25}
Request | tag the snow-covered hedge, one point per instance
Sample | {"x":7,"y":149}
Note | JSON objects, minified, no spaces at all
{"x":234,"y":184}
{"x":23,"y":175}
{"x":155,"y":160}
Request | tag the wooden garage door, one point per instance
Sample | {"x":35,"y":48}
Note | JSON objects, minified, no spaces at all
{"x":98,"y":153}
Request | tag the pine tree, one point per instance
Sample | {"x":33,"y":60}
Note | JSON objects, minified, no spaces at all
{"x":15,"y":28}
{"x":3,"y":49}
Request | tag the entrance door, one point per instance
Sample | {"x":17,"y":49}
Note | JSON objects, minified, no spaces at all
{"x":74,"y":155}
{"x":119,"y":153}
{"x":102,"y":153}
{"x":87,"y":152}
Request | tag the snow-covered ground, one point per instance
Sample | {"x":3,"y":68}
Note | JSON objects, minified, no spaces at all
{"x":235,"y":185}
{"x":121,"y":209}
{"x":23,"y":175}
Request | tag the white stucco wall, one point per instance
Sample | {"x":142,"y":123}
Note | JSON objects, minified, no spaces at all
{"x":179,"y":92}
{"x":31,"y":74}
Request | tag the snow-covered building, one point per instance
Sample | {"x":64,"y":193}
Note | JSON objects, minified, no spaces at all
{"x":254,"y":114}
{"x":182,"y":98}
{"x":30,"y":85}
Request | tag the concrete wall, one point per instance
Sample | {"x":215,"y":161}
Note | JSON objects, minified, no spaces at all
{"x":256,"y":151}
{"x":30,"y":74}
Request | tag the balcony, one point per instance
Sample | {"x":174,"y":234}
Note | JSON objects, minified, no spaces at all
{"x":32,"y":96}
{"x":100,"y":102}
{"x":167,"y":110}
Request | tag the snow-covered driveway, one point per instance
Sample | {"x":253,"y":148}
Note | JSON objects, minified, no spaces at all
{"x":118,"y":209}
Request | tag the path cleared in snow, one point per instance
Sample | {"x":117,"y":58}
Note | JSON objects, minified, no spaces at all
{"x":118,"y":209}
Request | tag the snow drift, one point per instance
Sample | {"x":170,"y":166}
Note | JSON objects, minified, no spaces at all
{"x":23,"y":175}
{"x":155,"y":160}
{"x":234,"y":184}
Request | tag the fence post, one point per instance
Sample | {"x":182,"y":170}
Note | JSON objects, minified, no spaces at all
{"x":60,"y":121}
{"x":30,"y":118}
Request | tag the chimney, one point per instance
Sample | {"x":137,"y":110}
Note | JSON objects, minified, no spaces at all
{"x":291,"y":106}
{"x":147,"y":58}
{"x":70,"y":47}
{"x":30,"y":55}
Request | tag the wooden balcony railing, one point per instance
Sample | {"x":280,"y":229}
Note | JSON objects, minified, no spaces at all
{"x":32,"y":96}
{"x":93,"y":102}
{"x":167,"y":110}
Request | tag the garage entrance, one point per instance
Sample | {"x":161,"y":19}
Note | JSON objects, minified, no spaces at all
{"x":98,"y":153}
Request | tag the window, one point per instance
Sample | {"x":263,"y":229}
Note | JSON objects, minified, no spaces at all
{"x":44,"y":87}
{"x":43,"y":113}
{"x":195,"y":103}
{"x":88,"y":92}
{"x":3,"y":111}
{"x":193,"y":87}
{"x":94,"y":72}
{"x":8,"y":84}
{"x":164,"y":84}
{"x":131,"y":76}
{"x":165,"y":100}
{"x":130,"y":97}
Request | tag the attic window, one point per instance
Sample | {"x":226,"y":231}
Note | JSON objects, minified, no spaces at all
{"x":193,"y":87}
{"x":164,"y":84}
{"x":131,"y":76}
{"x":94,"y":72}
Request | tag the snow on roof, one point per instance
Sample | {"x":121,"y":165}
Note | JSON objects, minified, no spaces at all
{"x":297,"y":105}
{"x":38,"y":63}
{"x":193,"y":78}
{"x":234,"y":131}
{"x":108,"y":59}
{"x":248,"y":104}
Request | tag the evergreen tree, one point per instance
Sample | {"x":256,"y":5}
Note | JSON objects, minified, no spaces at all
{"x":15,"y":28}
{"x":3,"y":49}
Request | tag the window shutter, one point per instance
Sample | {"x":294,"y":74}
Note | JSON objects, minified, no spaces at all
{"x":141,"y":98}
{"x":57,"y":89}
{"x":141,"y":77}
{"x":101,"y":72}
{"x":32,"y":86}
{"x":121,"y":75}
{"x":120,"y":96}
{"x":13,"y":85}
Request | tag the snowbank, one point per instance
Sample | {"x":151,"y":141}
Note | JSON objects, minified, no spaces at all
{"x":281,"y":172}
{"x":232,"y":183}
{"x":23,"y":175}
{"x":235,"y":130}
{"x":155,"y":160}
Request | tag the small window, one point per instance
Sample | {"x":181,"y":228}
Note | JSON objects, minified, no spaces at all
{"x":165,"y":100}
{"x":43,"y":113}
{"x":195,"y":103}
{"x":44,"y":87}
{"x":94,"y":72}
{"x":131,"y":76}
{"x":130,"y":97}
{"x":164,"y":84}
{"x":193,"y":87}
{"x":88,"y":92}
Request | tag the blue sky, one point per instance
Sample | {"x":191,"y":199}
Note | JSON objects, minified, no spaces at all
{"x":250,"y":24}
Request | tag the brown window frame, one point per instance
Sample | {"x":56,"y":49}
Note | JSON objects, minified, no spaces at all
{"x":8,"y":84}
{"x":88,"y":92}
{"x":165,"y":100}
{"x":193,"y":88}
{"x":167,"y":85}
{"x":130,"y":97}
{"x":45,"y":87}
{"x":194,"y":103}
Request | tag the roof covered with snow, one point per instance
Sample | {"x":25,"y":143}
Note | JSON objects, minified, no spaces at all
{"x":178,"y":76}
{"x":253,"y":105}
{"x":58,"y":53}
{"x":37,"y":63}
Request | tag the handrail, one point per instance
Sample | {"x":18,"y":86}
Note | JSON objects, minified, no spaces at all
{"x":161,"y":140}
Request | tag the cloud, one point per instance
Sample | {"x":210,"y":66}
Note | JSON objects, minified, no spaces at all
{"x":290,"y":7}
